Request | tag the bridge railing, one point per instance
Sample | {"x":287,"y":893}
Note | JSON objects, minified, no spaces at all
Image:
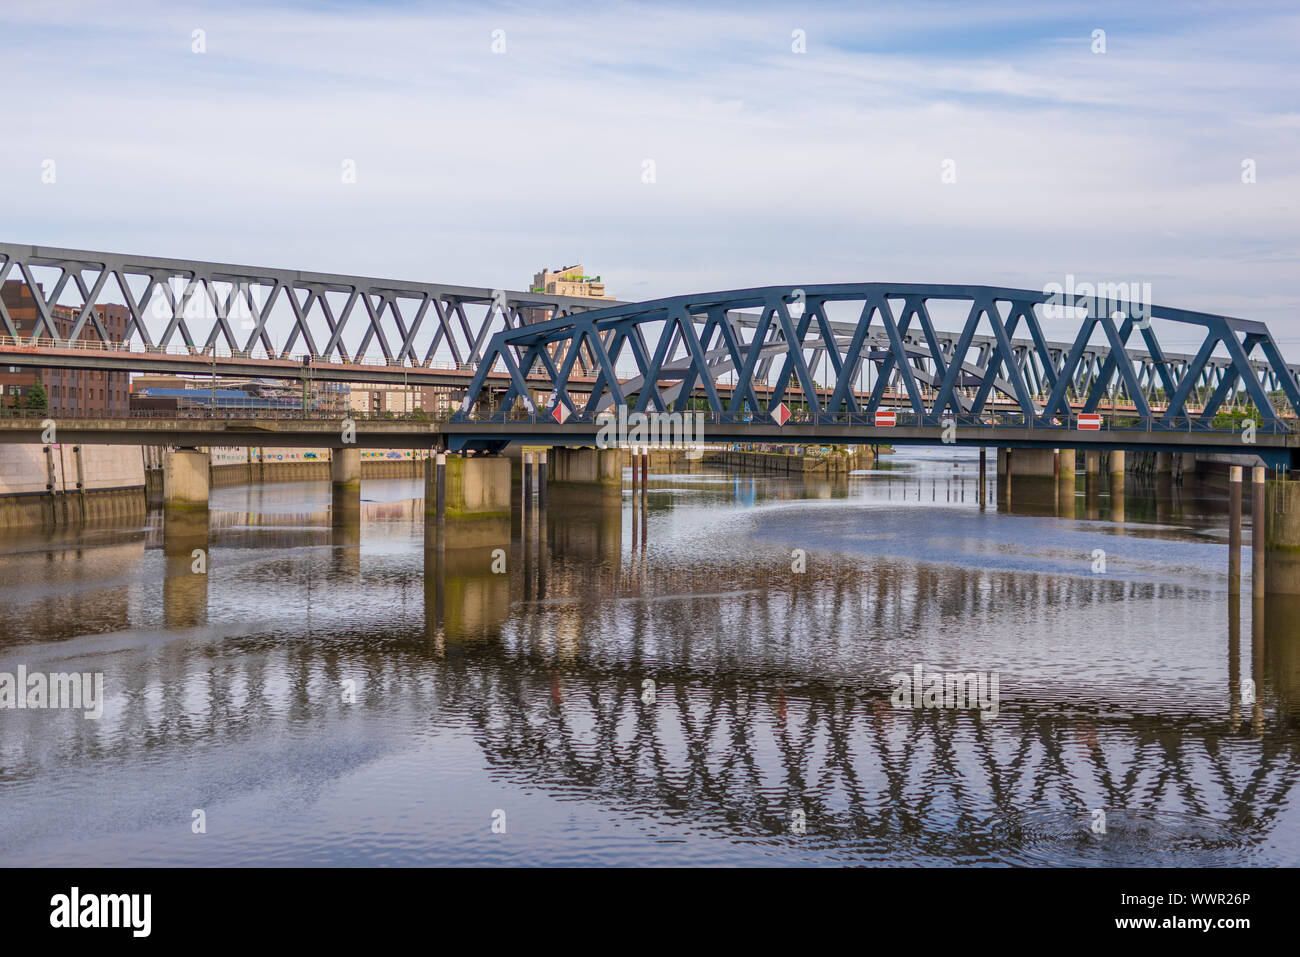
{"x":214,"y":352}
{"x":1120,"y":422}
{"x":902,"y":419}
{"x":228,"y":415}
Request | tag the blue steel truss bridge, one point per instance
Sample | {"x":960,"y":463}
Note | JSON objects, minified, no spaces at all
{"x":976,"y":386}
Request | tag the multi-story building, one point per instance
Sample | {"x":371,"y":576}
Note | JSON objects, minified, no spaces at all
{"x":569,"y":281}
{"x":68,"y":391}
{"x":401,"y":400}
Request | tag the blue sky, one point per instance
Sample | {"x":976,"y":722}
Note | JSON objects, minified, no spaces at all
{"x":770,"y":166}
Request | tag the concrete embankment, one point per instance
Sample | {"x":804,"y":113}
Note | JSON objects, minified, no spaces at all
{"x":257,"y":465}
{"x":61,"y":484}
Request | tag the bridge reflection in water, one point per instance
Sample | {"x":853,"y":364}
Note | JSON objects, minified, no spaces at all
{"x":771,"y":691}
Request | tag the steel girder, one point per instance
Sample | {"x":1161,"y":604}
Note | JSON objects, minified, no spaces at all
{"x":689,"y":341}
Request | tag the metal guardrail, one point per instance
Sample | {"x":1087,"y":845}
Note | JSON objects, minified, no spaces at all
{"x":1119,"y":422}
{"x":228,"y":415}
{"x":902,"y":419}
{"x":218,"y":353}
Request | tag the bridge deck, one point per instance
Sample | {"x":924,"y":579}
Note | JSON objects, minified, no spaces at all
{"x":414,"y":433}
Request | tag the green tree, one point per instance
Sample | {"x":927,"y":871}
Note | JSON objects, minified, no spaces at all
{"x":36,"y":398}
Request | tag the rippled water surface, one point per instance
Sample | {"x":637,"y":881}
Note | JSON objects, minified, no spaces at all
{"x":673,"y":692}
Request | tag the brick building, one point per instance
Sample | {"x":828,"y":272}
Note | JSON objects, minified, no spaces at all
{"x":69,"y":391}
{"x":400,"y":400}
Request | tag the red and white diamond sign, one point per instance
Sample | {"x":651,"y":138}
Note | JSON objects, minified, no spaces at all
{"x":781,"y":414}
{"x":884,"y":418}
{"x":1090,"y":421}
{"x":560,"y":413}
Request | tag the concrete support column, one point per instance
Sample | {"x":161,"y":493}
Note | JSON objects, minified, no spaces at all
{"x":1065,"y":467}
{"x":983,"y":456}
{"x":1115,"y":464}
{"x":1033,"y":484}
{"x":345,"y":467}
{"x":1036,"y":463}
{"x":1065,"y":470}
{"x":345,"y":484}
{"x":1234,"y":529}
{"x":1258,"y":530}
{"x":435,"y":489}
{"x":1164,"y":463}
{"x":186,"y":479}
{"x":477,"y":485}
{"x":578,"y":474}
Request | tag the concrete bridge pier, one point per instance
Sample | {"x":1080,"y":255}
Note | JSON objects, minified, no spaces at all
{"x":586,"y":475}
{"x":1260,"y":520}
{"x":1234,"y":530}
{"x":1281,"y":535}
{"x":435,"y":488}
{"x":1065,"y":465}
{"x":468,"y":542}
{"x":1115,"y":465}
{"x":186,"y":480}
{"x":345,"y":485}
{"x":1030,"y":477}
{"x":473,"y":486}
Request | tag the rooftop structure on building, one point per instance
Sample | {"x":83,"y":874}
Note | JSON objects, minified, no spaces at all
{"x":569,"y":281}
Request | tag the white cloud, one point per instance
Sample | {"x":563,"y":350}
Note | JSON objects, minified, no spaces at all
{"x":772,"y":166}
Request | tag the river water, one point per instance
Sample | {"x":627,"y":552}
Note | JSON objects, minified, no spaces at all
{"x":718,"y":685}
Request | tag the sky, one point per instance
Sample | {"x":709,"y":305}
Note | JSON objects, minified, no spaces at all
{"x":672,"y":148}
